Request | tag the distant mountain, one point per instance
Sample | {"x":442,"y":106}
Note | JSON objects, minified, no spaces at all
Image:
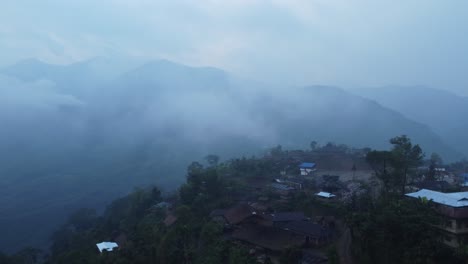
{"x":330,"y":114}
{"x":73,"y":136}
{"x":444,"y":112}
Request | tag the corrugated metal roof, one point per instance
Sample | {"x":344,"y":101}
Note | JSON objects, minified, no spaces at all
{"x":325,"y":194}
{"x":108,"y":246}
{"x":307,"y":165}
{"x":456,"y":199}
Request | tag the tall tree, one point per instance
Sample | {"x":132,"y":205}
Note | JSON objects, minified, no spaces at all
{"x":405,"y":158}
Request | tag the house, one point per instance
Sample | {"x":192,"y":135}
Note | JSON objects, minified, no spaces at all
{"x":106,"y":246}
{"x":281,"y":219}
{"x":267,"y":237}
{"x":311,"y":233}
{"x":307,"y":168}
{"x":454,"y":208}
{"x":325,"y":195}
{"x":282,"y":188}
{"x":294,"y":183}
{"x":244,"y":213}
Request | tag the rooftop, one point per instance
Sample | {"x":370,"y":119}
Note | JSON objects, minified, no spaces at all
{"x":238,"y":213}
{"x":308,"y":165}
{"x":456,"y":199}
{"x":325,"y":194}
{"x":106,"y":246}
{"x":267,"y":237}
{"x":287,"y":216}
{"x":307,"y":228}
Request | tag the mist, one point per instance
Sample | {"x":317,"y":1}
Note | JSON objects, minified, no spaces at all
{"x":342,"y":43}
{"x":99,"y":98}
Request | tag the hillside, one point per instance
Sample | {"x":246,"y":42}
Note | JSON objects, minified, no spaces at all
{"x":444,"y":112}
{"x":72,"y":139}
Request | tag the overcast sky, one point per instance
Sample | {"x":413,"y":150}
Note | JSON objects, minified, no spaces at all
{"x":336,"y":42}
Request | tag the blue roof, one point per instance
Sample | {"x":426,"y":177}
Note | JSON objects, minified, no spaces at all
{"x":307,"y":165}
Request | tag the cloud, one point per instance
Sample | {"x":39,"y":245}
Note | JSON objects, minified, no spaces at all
{"x":348,"y":43}
{"x":17,"y":96}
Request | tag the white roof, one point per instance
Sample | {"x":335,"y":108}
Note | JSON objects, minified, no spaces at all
{"x":108,"y":246}
{"x":325,"y":194}
{"x":456,"y":199}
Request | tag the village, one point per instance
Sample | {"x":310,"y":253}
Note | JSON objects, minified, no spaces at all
{"x":300,"y":206}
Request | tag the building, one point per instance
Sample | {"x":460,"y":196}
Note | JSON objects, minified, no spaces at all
{"x":307,"y":168}
{"x":311,"y":234}
{"x":282,"y":188}
{"x":106,"y":246}
{"x":326,"y":195}
{"x":281,"y":219}
{"x":454,"y":208}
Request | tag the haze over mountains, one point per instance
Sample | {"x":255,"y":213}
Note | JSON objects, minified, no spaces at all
{"x":444,"y":112}
{"x":80,"y":135}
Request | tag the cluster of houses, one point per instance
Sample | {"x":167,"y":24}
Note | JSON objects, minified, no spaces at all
{"x":273,"y":231}
{"x":256,"y":225}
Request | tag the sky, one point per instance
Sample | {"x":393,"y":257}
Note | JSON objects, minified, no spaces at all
{"x":349,"y":43}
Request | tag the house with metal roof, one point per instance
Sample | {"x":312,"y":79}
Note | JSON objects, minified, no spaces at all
{"x":106,"y":246}
{"x":307,"y":168}
{"x":454,"y":208}
{"x":326,"y":195}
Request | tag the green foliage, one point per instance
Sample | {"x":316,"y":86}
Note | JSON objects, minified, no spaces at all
{"x":332,"y":255}
{"x":396,"y":230}
{"x":291,"y":255}
{"x":385,"y":230}
{"x":394,"y":168}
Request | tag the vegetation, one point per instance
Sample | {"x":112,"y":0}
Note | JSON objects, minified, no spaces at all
{"x":390,"y":228}
{"x":384,"y":226}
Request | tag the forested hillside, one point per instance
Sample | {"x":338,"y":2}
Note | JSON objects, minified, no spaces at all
{"x":85,"y":133}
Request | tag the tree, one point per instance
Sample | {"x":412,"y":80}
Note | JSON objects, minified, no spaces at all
{"x":434,"y":162}
{"x":354,"y":169}
{"x":405,"y":157}
{"x":195,"y":167}
{"x":395,"y":166}
{"x":379,"y":162}
{"x":82,"y":219}
{"x":212,"y":160}
{"x":313,"y":145}
{"x":276,"y":151}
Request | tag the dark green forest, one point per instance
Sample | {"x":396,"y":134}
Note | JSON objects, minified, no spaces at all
{"x":384,"y":226}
